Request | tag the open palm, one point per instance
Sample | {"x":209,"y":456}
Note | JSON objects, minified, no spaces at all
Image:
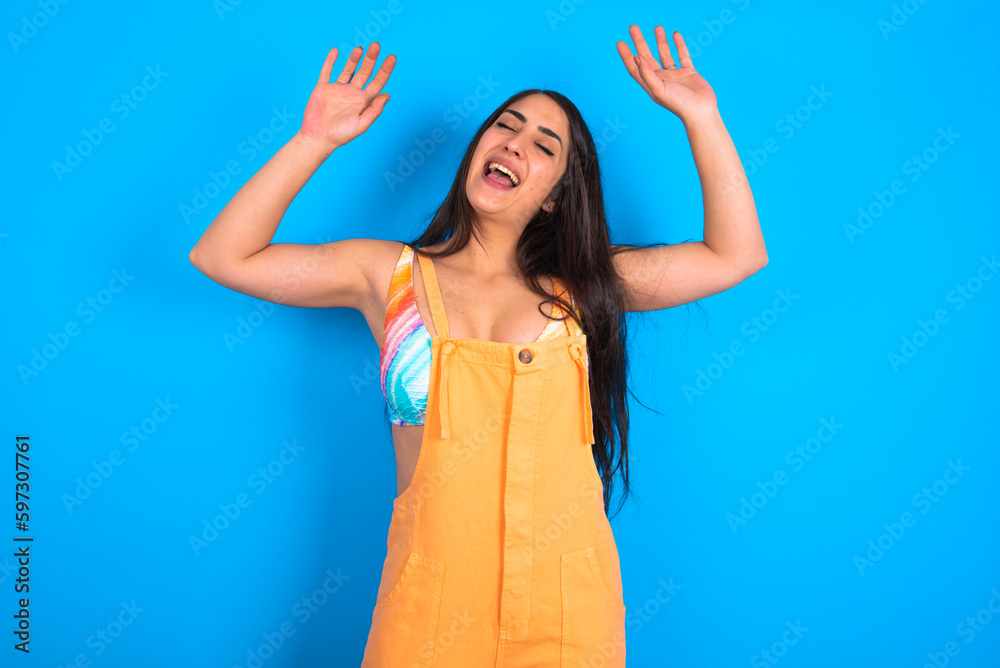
{"x":681,"y":90}
{"x":340,"y":110}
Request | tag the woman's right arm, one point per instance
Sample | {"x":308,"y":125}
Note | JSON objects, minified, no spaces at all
{"x":236,"y":249}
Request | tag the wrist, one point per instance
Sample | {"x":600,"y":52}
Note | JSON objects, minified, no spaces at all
{"x":703,"y":116}
{"x":314,"y":144}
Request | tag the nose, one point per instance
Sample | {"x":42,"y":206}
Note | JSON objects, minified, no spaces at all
{"x":513,"y":145}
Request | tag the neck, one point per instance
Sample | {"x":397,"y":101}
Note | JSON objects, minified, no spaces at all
{"x":493,"y":255}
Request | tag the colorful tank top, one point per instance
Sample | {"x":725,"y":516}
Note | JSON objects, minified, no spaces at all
{"x":405,"y":362}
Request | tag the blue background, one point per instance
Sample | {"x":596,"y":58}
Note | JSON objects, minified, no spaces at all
{"x":305,"y":377}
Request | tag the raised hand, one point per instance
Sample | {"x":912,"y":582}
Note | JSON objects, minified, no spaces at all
{"x":340,"y":110}
{"x":681,"y":90}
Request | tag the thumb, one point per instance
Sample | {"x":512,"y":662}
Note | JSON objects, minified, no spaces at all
{"x":647,"y":79}
{"x":369,"y":115}
{"x":642,"y":65}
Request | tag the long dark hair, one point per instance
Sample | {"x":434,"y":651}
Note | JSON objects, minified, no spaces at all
{"x":571,"y":243}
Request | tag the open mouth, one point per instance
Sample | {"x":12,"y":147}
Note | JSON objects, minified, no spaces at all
{"x":499,"y":176}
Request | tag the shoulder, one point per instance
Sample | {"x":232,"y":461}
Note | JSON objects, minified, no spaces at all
{"x":380,"y":258}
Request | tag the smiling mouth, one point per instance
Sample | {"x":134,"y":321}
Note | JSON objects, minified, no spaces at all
{"x":498,"y":177}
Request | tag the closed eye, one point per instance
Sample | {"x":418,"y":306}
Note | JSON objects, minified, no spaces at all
{"x":507,"y":127}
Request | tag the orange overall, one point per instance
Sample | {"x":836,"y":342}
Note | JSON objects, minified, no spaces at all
{"x":499,"y":550}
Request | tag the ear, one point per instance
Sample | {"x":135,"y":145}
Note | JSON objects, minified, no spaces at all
{"x":554,"y":198}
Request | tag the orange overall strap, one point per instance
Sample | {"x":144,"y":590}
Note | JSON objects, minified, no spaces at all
{"x":558,"y":289}
{"x":433,"y":292}
{"x":579,"y":354}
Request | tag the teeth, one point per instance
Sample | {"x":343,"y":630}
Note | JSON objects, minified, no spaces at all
{"x":497,"y":165}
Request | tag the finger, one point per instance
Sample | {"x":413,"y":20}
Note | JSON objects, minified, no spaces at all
{"x":324,"y":74}
{"x":640,"y":43}
{"x":682,"y":50}
{"x":663,"y":46}
{"x":375,"y":87}
{"x":366,"y":66}
{"x":352,"y":61}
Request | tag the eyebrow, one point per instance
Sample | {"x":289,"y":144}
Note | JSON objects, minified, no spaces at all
{"x":519,"y":116}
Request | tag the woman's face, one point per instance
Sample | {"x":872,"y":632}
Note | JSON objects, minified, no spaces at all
{"x":531,"y":137}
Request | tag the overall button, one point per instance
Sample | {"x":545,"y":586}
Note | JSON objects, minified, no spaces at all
{"x":524,"y":356}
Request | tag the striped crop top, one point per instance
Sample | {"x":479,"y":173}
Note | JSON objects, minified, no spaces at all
{"x":405,"y":363}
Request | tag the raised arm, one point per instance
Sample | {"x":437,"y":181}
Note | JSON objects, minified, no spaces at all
{"x":733,"y":247}
{"x":236,"y":249}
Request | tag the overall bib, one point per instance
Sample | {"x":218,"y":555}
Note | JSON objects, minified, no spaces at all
{"x":499,"y":551}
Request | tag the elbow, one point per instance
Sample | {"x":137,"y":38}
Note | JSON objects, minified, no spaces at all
{"x":760,"y":259}
{"x":755,"y":266}
{"x":197,"y":259}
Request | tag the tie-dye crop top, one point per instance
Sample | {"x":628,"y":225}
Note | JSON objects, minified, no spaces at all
{"x":405,"y":363}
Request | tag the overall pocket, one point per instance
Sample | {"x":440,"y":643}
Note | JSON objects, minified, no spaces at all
{"x":593,"y":620}
{"x":404,"y":622}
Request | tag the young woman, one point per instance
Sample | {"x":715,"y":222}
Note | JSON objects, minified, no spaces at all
{"x":504,"y":414}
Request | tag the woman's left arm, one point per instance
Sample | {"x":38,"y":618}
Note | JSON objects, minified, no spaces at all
{"x":733,"y":245}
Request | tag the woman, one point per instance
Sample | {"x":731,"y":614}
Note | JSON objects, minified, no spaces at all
{"x":499,"y":547}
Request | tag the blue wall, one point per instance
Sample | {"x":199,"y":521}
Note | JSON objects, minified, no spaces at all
{"x":825,"y":498}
